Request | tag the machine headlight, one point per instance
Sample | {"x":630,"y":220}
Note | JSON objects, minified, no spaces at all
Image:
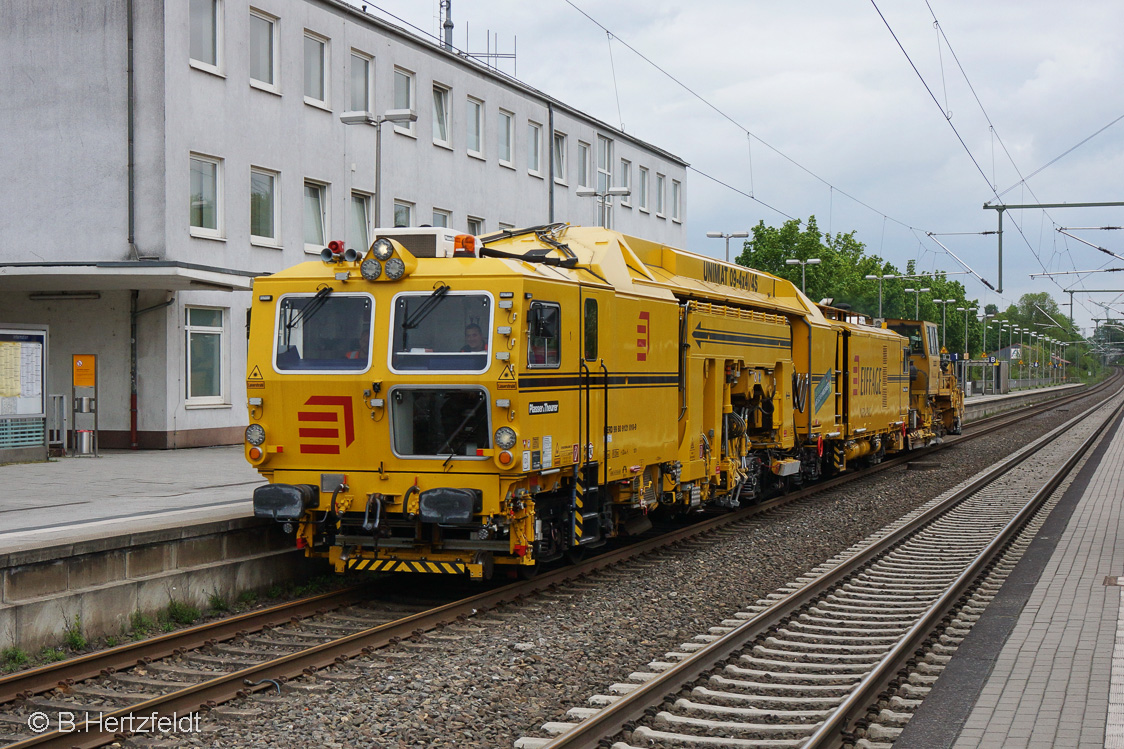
{"x":255,"y":434}
{"x":505,"y":438}
{"x":395,"y":268}
{"x":382,"y":249}
{"x":371,"y":269}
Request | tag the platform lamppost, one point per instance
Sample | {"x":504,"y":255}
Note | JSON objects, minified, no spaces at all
{"x":917,"y":301}
{"x":803,"y":264}
{"x":944,"y":315}
{"x":727,"y":237}
{"x":603,"y":199}
{"x":398,"y":116}
{"x":967,"y":346}
{"x":880,"y":279}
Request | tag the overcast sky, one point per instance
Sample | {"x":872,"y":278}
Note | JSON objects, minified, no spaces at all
{"x":825,"y":84}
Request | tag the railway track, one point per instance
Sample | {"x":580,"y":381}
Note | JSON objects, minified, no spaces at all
{"x":806,"y":666}
{"x":204,"y":666}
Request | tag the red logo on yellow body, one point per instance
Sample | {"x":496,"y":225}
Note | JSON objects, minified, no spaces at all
{"x":642,"y":338}
{"x":327,"y":424}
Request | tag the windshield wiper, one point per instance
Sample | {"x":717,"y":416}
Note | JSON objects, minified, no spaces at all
{"x":458,"y":430}
{"x":310,"y":309}
{"x":426,"y":307}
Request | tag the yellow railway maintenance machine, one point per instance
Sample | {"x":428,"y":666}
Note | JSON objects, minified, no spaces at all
{"x":936,"y":400}
{"x":448,"y":404}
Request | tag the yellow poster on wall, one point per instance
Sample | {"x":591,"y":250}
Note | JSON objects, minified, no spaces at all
{"x":85,"y":371}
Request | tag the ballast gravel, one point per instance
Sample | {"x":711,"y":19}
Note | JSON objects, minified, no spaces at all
{"x":505,"y":673}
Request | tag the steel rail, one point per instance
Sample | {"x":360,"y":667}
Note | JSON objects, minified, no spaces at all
{"x":631,"y":707}
{"x":23,"y":684}
{"x":835,"y":729}
{"x":45,"y":678}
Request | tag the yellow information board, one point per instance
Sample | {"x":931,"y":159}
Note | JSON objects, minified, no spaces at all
{"x":85,"y":371}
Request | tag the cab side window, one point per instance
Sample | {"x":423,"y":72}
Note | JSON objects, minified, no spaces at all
{"x":589,"y":339}
{"x":544,"y":335}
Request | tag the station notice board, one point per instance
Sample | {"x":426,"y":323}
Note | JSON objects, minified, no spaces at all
{"x":22,"y":372}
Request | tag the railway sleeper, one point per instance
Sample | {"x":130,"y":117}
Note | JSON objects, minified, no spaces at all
{"x":752,"y":713}
{"x":861,"y":632}
{"x":804,"y":656}
{"x":652,"y":737}
{"x":770,"y":674}
{"x":912,"y":603}
{"x":829,"y":638}
{"x":757,"y":687}
{"x":763,"y":702}
{"x":801,"y":667}
{"x":829,"y":647}
{"x":670,"y":719}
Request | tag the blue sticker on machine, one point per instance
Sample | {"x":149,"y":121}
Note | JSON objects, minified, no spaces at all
{"x":823,"y":388}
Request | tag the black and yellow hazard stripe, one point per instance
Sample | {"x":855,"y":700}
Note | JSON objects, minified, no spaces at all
{"x":579,"y":503}
{"x":405,"y":565}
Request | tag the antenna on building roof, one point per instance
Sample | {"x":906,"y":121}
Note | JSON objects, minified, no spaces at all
{"x":447,"y":23}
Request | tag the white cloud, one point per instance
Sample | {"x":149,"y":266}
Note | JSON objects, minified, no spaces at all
{"x":825,"y":83}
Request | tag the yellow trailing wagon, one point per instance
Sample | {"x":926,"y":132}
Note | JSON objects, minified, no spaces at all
{"x":448,"y":404}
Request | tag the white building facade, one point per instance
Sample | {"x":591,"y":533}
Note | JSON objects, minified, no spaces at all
{"x":162,"y":154}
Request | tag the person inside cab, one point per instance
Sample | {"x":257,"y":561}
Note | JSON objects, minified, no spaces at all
{"x":474,"y":339}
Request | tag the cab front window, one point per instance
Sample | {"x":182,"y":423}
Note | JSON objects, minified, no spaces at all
{"x":441,"y":331}
{"x":913,"y":334}
{"x":324,"y":332}
{"x":439,"y":422}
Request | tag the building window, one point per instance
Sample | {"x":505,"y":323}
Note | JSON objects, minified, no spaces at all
{"x":659,"y":194}
{"x":604,"y":181}
{"x":361,"y":93}
{"x":359,"y":227}
{"x":506,"y":135}
{"x":474,"y":132}
{"x":475,"y":226}
{"x":583,"y":164}
{"x":315,"y":215}
{"x":441,"y":218}
{"x":404,"y":97}
{"x":534,"y":148}
{"x":206,"y":34}
{"x":204,"y":355}
{"x":315,"y":69}
{"x":403,"y":213}
{"x":441,"y":116}
{"x":506,"y":227}
{"x":643,"y":189}
{"x":263,"y":206}
{"x":558,"y":153}
{"x":263,"y":46}
{"x":206,"y":196}
{"x":625,"y":179}
{"x":676,"y":200}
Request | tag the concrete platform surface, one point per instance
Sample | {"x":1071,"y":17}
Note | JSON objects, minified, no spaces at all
{"x":70,"y":500}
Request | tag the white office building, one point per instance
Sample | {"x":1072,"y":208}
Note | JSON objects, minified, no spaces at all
{"x":159,"y":154}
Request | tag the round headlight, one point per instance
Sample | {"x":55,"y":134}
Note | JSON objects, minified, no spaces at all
{"x":382,"y":249}
{"x":395,"y":268}
{"x":371,"y":269}
{"x":255,"y":434}
{"x":505,"y":438}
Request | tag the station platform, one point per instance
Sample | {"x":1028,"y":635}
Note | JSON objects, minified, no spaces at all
{"x":122,"y":492}
{"x":980,"y":406}
{"x":1044,"y":665}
